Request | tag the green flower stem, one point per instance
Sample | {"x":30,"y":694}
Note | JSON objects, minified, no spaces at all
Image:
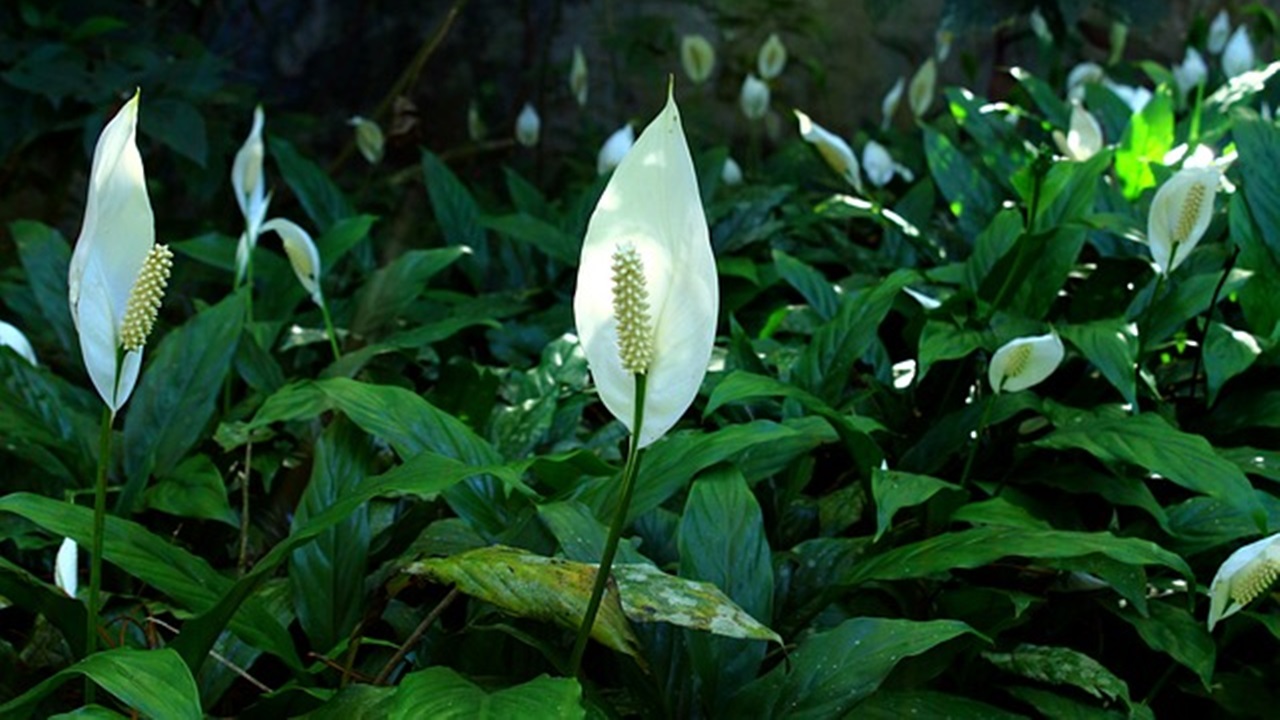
{"x":328,"y":328}
{"x":629,"y":473}
{"x":95,"y":553}
{"x":977,"y":441}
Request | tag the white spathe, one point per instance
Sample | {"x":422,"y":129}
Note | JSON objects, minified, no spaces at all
{"x":754,"y":97}
{"x":1239,"y":58}
{"x":652,"y":205}
{"x":578,"y":76}
{"x":1219,"y":31}
{"x":1083,"y":139}
{"x":1246,"y":574}
{"x":772,"y":58}
{"x":12,"y":337}
{"x":698,"y":57}
{"x":1180,"y":215}
{"x":832,"y":148}
{"x":731,"y":173}
{"x":877,"y":163}
{"x":115,"y":239}
{"x":889,"y":106}
{"x":1025,"y":362}
{"x":920,"y":93}
{"x":1192,"y":71}
{"x":249,"y":182}
{"x":615,"y":148}
{"x":528,"y":126}
{"x":302,"y":253}
{"x":65,"y":567}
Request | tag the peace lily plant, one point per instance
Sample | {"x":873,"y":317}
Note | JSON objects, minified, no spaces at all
{"x":646,"y":304}
{"x":115,"y":284}
{"x":1246,"y":575}
{"x":1180,"y":215}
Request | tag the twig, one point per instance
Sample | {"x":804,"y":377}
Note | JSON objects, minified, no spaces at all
{"x":216,"y":656}
{"x":417,"y":634}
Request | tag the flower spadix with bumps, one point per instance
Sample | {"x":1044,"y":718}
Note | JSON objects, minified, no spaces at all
{"x":1180,"y":215}
{"x":647,"y":298}
{"x":118,"y":274}
{"x":1024,"y":362}
{"x":1245,"y":576}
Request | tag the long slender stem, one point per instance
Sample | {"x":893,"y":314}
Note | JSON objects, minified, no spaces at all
{"x":242,"y":560}
{"x":328,"y":328}
{"x":1208,"y":320}
{"x":977,"y":440}
{"x":95,"y":552}
{"x":417,"y":634}
{"x":629,"y":473}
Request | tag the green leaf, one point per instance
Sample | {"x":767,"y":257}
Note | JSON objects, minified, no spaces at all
{"x":1258,"y":293}
{"x":1149,"y":442}
{"x":941,"y":340}
{"x":1258,"y":143}
{"x":1028,"y":278}
{"x":976,"y":547}
{"x":344,"y":235}
{"x":991,"y":245}
{"x":897,"y":704}
{"x":1061,"y":666}
{"x":179,"y":125}
{"x":458,"y":214}
{"x":45,"y":257}
{"x":1045,"y":97}
{"x":1227,"y":353}
{"x":1068,"y":191}
{"x":327,"y":576}
{"x":320,"y":197}
{"x":27,"y":591}
{"x":1169,"y":628}
{"x":442,"y":694}
{"x":1112,"y":346}
{"x":1146,"y":141}
{"x":580,"y":534}
{"x":182,"y":380}
{"x":649,"y":595}
{"x":809,"y":282}
{"x":547,"y":238}
{"x":195,"y":489}
{"x":393,"y":288}
{"x":155,"y":683}
{"x":722,"y":541}
{"x":895,"y":490}
{"x":832,"y":671}
{"x":972,"y":198}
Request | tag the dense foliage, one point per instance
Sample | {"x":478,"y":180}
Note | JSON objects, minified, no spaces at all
{"x":870,"y":510}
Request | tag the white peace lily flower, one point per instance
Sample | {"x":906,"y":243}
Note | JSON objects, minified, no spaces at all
{"x":369,"y":139}
{"x":615,"y":148}
{"x":1219,"y":31}
{"x":65,"y":572}
{"x":1082,"y":75}
{"x":877,"y":163}
{"x":942,"y":40}
{"x":528,"y":125}
{"x":578,"y":76}
{"x":920,"y":93}
{"x":832,"y":148}
{"x":1040,"y":27}
{"x":302,"y":254}
{"x":1083,"y":139}
{"x":117,"y":274}
{"x":647,"y":295}
{"x":889,"y":105}
{"x":772,"y":58}
{"x":698,"y":57}
{"x":731,"y":174}
{"x":1238,"y":57}
{"x":1180,"y":214}
{"x":1192,"y":71}
{"x":12,"y":337}
{"x":1246,"y":574}
{"x":754,"y":97}
{"x":1024,"y":362}
{"x":248,"y":180}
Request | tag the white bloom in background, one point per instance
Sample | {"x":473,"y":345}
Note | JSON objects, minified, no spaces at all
{"x":889,"y":106}
{"x":302,"y":254}
{"x":615,"y":148}
{"x":1246,"y":574}
{"x":117,"y":275}
{"x":528,"y":125}
{"x":578,"y":76}
{"x":920,"y":93}
{"x":877,"y":163}
{"x":1135,"y":96}
{"x":1180,"y":215}
{"x":942,"y":40}
{"x":1082,"y":75}
{"x":1238,"y":57}
{"x":1025,"y":362}
{"x":754,"y":98}
{"x":772,"y":58}
{"x":1192,"y":71}
{"x":475,"y":124}
{"x":12,"y":337}
{"x":369,"y":139}
{"x":1040,"y":27}
{"x":647,"y":298}
{"x":731,"y":174}
{"x":1219,"y":31}
{"x":1083,"y":139}
{"x":698,"y":57}
{"x":832,"y":148}
{"x":65,"y":567}
{"x":248,"y":180}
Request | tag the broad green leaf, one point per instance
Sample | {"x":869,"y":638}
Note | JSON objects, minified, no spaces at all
{"x":897,"y":704}
{"x":581,"y":536}
{"x":1057,"y":112}
{"x":1258,"y":294}
{"x":722,"y":541}
{"x":344,"y":235}
{"x":393,"y":288}
{"x":1258,"y":143}
{"x":185,"y":577}
{"x":1061,"y":666}
{"x":29,"y":592}
{"x":972,"y":198}
{"x":320,"y":197}
{"x":38,"y":408}
{"x":1227,"y":353}
{"x":991,"y":245}
{"x":533,"y":586}
{"x":809,"y":282}
{"x":156,"y":683}
{"x":458,"y":215}
{"x":650,"y":595}
{"x":327,"y":575}
{"x":976,"y":547}
{"x":194,"y":489}
{"x":1068,"y":191}
{"x":895,"y":490}
{"x":1187,"y":298}
{"x":1169,"y":628}
{"x":940,"y":340}
{"x":1112,"y":346}
{"x":1146,"y":141}
{"x":1054,"y":706}
{"x":1028,"y":278}
{"x":526,"y":197}
{"x":178,"y":124}
{"x":45,"y":257}
{"x":442,"y":694}
{"x":547,"y":238}
{"x":1149,"y":442}
{"x":832,"y":671}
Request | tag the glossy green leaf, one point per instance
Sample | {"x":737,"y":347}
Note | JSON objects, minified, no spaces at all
{"x":195,"y":489}
{"x":1061,"y":666}
{"x":809,"y":282}
{"x":320,"y":196}
{"x":992,"y":244}
{"x":45,"y":256}
{"x":156,"y":683}
{"x":940,"y":341}
{"x":178,"y":124}
{"x":1169,"y":628}
{"x":1263,"y":286}
{"x":1146,"y":141}
{"x":29,"y":592}
{"x":832,"y":671}
{"x":547,"y":238}
{"x":895,"y":490}
{"x":973,"y":199}
{"x":393,"y":288}
{"x":438,"y":692}
{"x":458,"y":214}
{"x":897,"y":704}
{"x":1112,"y":346}
{"x":1227,"y":353}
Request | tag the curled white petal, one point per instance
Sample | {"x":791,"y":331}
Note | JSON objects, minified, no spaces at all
{"x":615,"y":148}
{"x":652,"y":205}
{"x":877,"y":163}
{"x":12,"y":337}
{"x":889,"y":106}
{"x":1244,"y":576}
{"x":832,"y":148}
{"x":772,"y":58}
{"x":65,"y":571}
{"x":1025,"y":362}
{"x":247,"y":177}
{"x":1081,"y":76}
{"x":1180,"y":215}
{"x":754,"y":97}
{"x":528,"y":126}
{"x":1084,"y":138}
{"x":302,"y":254}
